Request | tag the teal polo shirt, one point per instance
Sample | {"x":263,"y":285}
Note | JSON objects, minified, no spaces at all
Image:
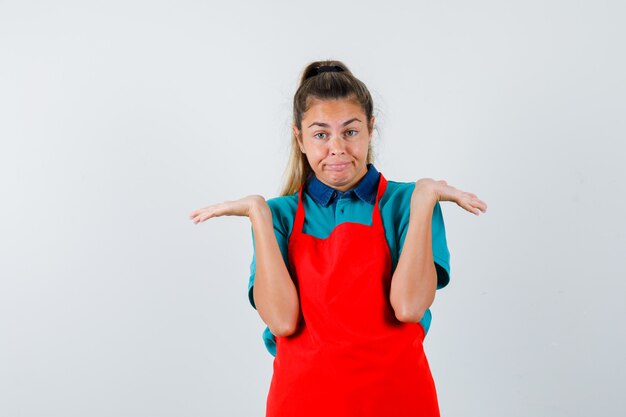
{"x":326,"y":208}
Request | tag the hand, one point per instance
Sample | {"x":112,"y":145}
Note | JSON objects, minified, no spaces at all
{"x":441,"y":191}
{"x":246,"y":206}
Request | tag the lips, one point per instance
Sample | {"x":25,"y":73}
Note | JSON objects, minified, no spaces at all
{"x":338,"y":166}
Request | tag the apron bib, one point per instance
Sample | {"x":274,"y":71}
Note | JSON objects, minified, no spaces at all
{"x":350,"y":356}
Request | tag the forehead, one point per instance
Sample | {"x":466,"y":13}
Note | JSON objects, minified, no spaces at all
{"x":333,"y":110}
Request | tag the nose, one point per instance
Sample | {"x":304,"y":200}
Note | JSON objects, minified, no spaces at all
{"x":336,"y":145}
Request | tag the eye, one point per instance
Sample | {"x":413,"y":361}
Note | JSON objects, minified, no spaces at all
{"x":352,"y":132}
{"x":318,"y":137}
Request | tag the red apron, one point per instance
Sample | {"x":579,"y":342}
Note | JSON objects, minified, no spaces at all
{"x":350,"y":356}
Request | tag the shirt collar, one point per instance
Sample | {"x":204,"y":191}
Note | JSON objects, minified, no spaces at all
{"x":366,"y":189}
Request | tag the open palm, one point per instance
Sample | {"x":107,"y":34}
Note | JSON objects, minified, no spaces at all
{"x":444,"y":192}
{"x":242,"y":207}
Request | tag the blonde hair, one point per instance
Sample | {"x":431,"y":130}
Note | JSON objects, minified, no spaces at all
{"x":325,"y":85}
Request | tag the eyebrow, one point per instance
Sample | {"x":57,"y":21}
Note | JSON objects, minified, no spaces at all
{"x":347,"y":122}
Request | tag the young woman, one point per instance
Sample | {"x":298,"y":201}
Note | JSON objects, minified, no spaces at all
{"x":346,"y":263}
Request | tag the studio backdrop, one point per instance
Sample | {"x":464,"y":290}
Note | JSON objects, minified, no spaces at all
{"x":119,"y":118}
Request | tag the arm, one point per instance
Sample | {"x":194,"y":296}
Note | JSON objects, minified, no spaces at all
{"x":414,"y":281}
{"x":275,"y":295}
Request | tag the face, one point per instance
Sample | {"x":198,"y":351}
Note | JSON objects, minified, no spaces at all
{"x":335,"y":137}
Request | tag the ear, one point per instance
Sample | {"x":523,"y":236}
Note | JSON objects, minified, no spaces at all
{"x":296,"y":133}
{"x":370,"y":128}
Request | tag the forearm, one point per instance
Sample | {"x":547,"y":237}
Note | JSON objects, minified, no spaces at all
{"x":414,"y":281}
{"x":275,"y":295}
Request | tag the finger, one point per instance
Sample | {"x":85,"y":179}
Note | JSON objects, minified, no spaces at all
{"x":474,"y":210}
{"x":478,"y":202}
{"x":205,"y":216}
{"x":471,"y":209}
{"x":221,"y":209}
{"x":468,"y":206}
{"x":195,"y":215}
{"x":476,"y":207}
{"x":481,"y":205}
{"x":215,"y":211}
{"x":206,"y":213}
{"x":199,"y":211}
{"x":200,"y":218}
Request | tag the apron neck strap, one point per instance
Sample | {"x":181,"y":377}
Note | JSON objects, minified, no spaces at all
{"x":377,"y":220}
{"x":376,"y":217}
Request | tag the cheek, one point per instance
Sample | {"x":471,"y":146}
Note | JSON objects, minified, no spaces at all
{"x":359,"y":149}
{"x":315,"y":151}
{"x":313,"y":156}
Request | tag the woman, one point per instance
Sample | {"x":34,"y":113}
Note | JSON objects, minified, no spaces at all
{"x":346,"y":263}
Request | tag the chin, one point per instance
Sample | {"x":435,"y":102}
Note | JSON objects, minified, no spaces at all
{"x":342,"y":178}
{"x":339,"y":182}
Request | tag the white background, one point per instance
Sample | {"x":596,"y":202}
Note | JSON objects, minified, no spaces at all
{"x":119,"y":118}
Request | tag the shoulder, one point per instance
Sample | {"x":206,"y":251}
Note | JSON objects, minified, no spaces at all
{"x":398,"y":190}
{"x":398,"y":194}
{"x":283,"y":211}
{"x":396,"y":202}
{"x":283,"y":203}
{"x":397,"y":197}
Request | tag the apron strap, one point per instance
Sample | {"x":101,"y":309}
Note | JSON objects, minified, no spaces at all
{"x":299,"y":221}
{"x":377,"y":219}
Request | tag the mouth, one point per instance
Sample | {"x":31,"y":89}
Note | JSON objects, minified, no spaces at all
{"x":337,"y":167}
